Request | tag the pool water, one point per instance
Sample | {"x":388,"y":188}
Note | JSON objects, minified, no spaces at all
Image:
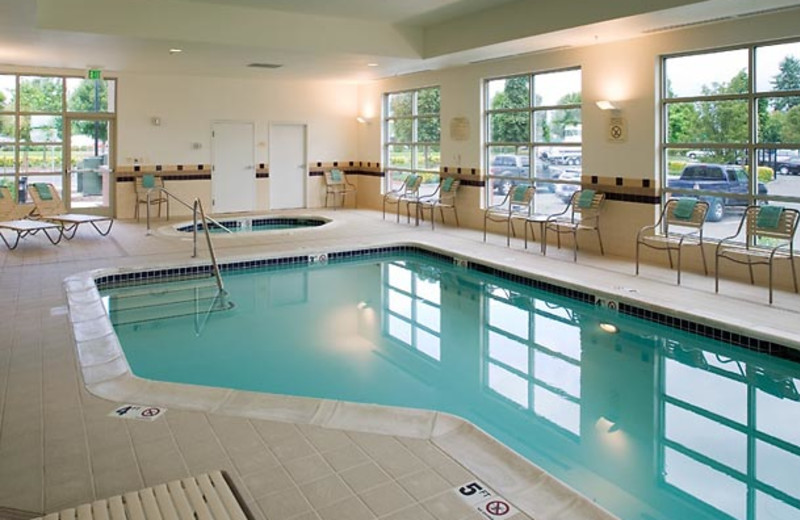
{"x":648,"y":421}
{"x":250,"y":224}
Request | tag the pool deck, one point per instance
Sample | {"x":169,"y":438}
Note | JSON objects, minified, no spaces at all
{"x":59,"y":447}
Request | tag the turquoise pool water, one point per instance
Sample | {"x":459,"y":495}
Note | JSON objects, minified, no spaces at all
{"x":249,"y":224}
{"x":651,"y":422}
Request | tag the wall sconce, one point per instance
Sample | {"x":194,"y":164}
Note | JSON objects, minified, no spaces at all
{"x":606,"y":105}
{"x":609,"y":423}
{"x":363,"y":120}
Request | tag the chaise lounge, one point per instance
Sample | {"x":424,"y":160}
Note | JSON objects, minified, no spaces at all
{"x":50,"y":207}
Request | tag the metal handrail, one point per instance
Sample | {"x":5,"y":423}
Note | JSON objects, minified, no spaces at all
{"x":197,"y":205}
{"x":217,"y":275}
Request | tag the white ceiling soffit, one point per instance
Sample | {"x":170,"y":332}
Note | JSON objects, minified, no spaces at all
{"x":326,"y":39}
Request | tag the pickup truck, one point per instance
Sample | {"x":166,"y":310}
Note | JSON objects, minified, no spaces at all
{"x":725,"y":178}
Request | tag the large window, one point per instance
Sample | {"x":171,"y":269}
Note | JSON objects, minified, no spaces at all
{"x":731,"y":129}
{"x":533,"y":135}
{"x":412,"y":130}
{"x":33,"y":111}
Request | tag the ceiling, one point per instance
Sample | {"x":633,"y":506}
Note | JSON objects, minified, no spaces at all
{"x":340,"y":40}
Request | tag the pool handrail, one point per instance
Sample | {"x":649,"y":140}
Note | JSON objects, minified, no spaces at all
{"x":194,"y":207}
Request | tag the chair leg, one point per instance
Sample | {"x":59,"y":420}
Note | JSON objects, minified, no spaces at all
{"x":716,"y":272}
{"x":574,"y":244}
{"x":544,"y":239}
{"x":669,"y":255}
{"x":636,"y":256}
{"x":770,"y":281}
{"x":750,"y":267}
{"x":455,"y":212}
{"x":794,"y":273}
{"x":484,"y":227}
{"x":600,"y":240}
{"x":679,"y":262}
{"x":703,"y":256}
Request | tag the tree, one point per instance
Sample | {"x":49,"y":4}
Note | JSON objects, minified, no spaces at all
{"x":788,"y":78}
{"x":512,"y":127}
{"x":90,"y":96}
{"x":723,"y":121}
{"x":568,"y":117}
{"x":429,"y":103}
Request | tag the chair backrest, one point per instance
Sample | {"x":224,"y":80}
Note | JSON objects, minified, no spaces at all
{"x":46,"y":199}
{"x":8,"y":205}
{"x":785,"y":228}
{"x":146,"y":182}
{"x":587,"y":202}
{"x":447,"y":190}
{"x":334,"y":176}
{"x":519,"y":198}
{"x":411,"y":184}
{"x":685,"y":213}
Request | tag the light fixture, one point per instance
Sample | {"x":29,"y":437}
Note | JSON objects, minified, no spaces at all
{"x":175,"y":50}
{"x":608,"y":327}
{"x":363,"y":120}
{"x":606,"y":105}
{"x":362,"y":305}
{"x":372,"y":64}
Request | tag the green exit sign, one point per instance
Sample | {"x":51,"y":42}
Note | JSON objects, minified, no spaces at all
{"x":94,"y":74}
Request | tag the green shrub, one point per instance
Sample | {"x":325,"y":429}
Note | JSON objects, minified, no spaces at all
{"x":675,"y":167}
{"x":765,"y":174}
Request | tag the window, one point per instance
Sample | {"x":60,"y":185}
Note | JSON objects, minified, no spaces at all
{"x":412,"y":130}
{"x":412,"y":297}
{"x":33,"y":109}
{"x":731,"y":129}
{"x":534,"y":357}
{"x":534,"y":119}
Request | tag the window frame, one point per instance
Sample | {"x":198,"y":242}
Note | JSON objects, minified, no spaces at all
{"x":430,"y":174}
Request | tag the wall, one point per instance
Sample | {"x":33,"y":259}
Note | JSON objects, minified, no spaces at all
{"x":625,"y":72}
{"x":188,"y":105}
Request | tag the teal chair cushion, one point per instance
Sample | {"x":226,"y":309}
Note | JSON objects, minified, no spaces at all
{"x":336,"y":175}
{"x":769,"y":216}
{"x":44,"y":191}
{"x":518,"y":195}
{"x":447,"y":184}
{"x":684,"y":209}
{"x":148,"y":181}
{"x":586,"y":198}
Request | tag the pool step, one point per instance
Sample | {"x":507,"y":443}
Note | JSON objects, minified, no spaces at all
{"x":137,"y":304}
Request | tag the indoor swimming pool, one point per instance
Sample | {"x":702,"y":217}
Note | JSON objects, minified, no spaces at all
{"x":649,"y":421}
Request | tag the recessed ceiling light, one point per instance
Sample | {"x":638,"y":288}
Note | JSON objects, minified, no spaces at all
{"x":372,"y":64}
{"x":175,"y":51}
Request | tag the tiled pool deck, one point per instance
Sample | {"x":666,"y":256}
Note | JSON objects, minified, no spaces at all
{"x":59,"y":447}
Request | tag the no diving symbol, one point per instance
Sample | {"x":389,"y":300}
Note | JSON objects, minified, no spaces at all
{"x":497,"y":507}
{"x":150,"y":412}
{"x":616,"y":132}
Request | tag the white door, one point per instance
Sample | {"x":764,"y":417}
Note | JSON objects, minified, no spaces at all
{"x":233,"y":174}
{"x":287,"y":166}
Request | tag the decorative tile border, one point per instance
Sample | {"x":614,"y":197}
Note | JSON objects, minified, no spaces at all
{"x":708,"y":331}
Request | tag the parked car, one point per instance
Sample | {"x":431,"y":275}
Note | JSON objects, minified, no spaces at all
{"x":510,"y":170}
{"x":570,"y":156}
{"x":788,"y":165}
{"x":725,"y":178}
{"x":696,"y":154}
{"x":565,"y":191}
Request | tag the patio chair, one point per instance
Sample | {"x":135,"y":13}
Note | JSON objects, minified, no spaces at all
{"x":443,"y":197}
{"x":49,"y":206}
{"x":681,"y":221}
{"x":25,"y":227}
{"x":337,"y":185}
{"x":210,"y":496}
{"x":408,"y":192}
{"x":581,"y":214}
{"x":145,"y":184}
{"x":515,"y":205}
{"x":9,"y":209}
{"x":769,"y":236}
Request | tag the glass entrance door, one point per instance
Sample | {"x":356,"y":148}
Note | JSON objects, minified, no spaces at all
{"x":89,"y":172}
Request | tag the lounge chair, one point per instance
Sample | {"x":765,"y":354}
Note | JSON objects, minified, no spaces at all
{"x":23,"y":228}
{"x":769,"y":236}
{"x":145,"y":184}
{"x":9,"y":209}
{"x":681,"y":225}
{"x":49,"y":206}
{"x":337,"y":185}
{"x":443,"y":197}
{"x":408,"y":192}
{"x":515,"y":205}
{"x":210,"y":496}
{"x":581,"y":214}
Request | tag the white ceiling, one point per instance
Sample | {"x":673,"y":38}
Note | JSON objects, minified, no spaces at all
{"x":326,"y":39}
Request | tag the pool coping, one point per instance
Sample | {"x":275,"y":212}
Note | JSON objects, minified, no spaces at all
{"x":107,"y":375}
{"x":171,"y":230}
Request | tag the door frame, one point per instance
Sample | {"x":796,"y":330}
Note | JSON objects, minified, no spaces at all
{"x":252,"y":124}
{"x":66,"y":173}
{"x":304,"y":126}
